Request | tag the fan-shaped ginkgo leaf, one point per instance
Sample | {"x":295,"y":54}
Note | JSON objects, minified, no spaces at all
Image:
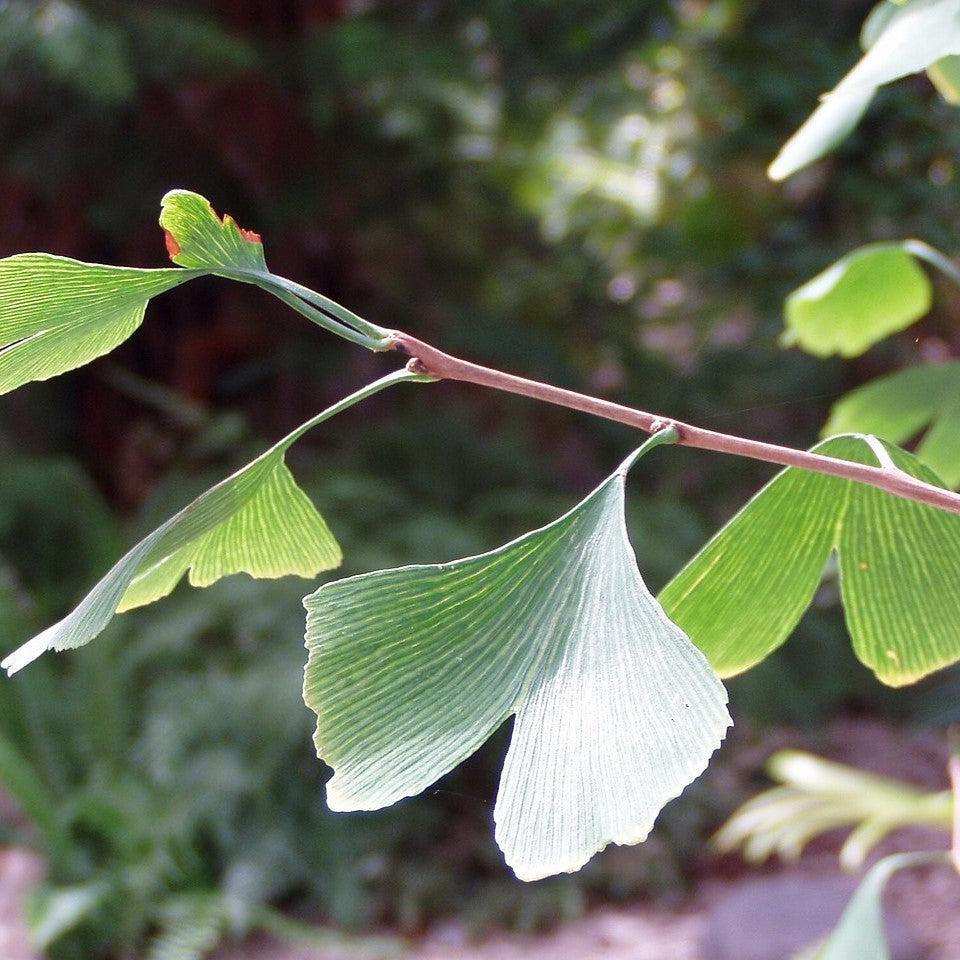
{"x":257,"y":521}
{"x":865,"y":296}
{"x":57,"y":314}
{"x":901,"y":405}
{"x":741,"y":596}
{"x":410,"y":670}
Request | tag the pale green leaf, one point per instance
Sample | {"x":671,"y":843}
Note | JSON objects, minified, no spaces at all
{"x":916,"y":35}
{"x":945,"y":76}
{"x":741,"y":596}
{"x":865,"y":296}
{"x":897,"y":407}
{"x":191,"y":926}
{"x":900,"y":39}
{"x":57,"y":314}
{"x":257,"y":521}
{"x":828,"y":126}
{"x":410,"y":670}
{"x":816,"y":796}
{"x":860,"y":934}
{"x":197,"y":237}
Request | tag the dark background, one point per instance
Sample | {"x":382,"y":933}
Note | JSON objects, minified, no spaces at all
{"x":573,"y":191}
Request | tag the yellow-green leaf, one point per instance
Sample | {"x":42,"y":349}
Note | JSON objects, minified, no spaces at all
{"x":741,"y":596}
{"x":865,"y":296}
{"x":901,"y":405}
{"x":57,"y":314}
{"x":256,"y":521}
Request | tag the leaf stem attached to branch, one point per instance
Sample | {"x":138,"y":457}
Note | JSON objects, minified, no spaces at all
{"x":431,"y":361}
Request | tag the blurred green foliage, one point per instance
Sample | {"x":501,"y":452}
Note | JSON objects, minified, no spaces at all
{"x":572,"y":191}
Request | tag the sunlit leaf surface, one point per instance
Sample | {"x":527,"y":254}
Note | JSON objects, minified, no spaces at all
{"x":410,"y":670}
{"x":865,"y":296}
{"x":57,"y":314}
{"x":257,"y":521}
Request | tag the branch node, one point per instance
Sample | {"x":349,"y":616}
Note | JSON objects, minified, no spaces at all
{"x":661,"y":424}
{"x":417,"y":366}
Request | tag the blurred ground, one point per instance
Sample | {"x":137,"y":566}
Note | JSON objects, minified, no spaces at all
{"x":733,"y":913}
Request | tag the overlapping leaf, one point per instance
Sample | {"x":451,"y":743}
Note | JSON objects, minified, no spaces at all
{"x":897,"y":407}
{"x":57,"y":314}
{"x":257,"y":521}
{"x":741,"y":596}
{"x":899,"y":39}
{"x":865,"y":296}
{"x":410,"y":670}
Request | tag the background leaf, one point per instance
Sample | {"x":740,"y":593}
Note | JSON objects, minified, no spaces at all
{"x":899,"y":406}
{"x":410,"y":670}
{"x":917,"y":34}
{"x":899,"y":39}
{"x":741,"y":596}
{"x":860,"y":934}
{"x":829,"y":125}
{"x":865,"y":296}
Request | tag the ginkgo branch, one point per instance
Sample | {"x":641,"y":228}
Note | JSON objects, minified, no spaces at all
{"x":428,"y":360}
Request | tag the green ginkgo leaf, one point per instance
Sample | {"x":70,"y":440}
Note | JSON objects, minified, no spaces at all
{"x":827,"y":127}
{"x":899,"y":39}
{"x":865,"y":296}
{"x":899,"y":406}
{"x":860,"y":934}
{"x":257,"y":521}
{"x":410,"y":670}
{"x":196,"y":237}
{"x":741,"y":596}
{"x":57,"y":314}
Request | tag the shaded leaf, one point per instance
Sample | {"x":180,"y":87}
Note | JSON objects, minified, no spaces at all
{"x":256,"y":521}
{"x":410,"y":670}
{"x":860,"y":934}
{"x":741,"y":596}
{"x":57,"y":314}
{"x":865,"y":296}
{"x":900,"y":405}
{"x":190,"y":928}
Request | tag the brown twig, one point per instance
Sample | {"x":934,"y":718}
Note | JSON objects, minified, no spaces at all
{"x":433,"y":362}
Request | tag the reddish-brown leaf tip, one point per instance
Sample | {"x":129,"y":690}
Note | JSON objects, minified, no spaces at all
{"x":173,"y":248}
{"x":251,"y":236}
